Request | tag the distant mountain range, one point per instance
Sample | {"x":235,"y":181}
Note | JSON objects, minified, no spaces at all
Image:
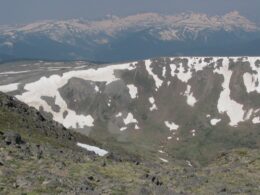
{"x":134,"y":37}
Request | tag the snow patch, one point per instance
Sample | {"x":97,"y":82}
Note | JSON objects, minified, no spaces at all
{"x":164,"y":72}
{"x":214,"y":121}
{"x":72,"y":120}
{"x":9,"y":87}
{"x":119,"y":114}
{"x":225,"y":104}
{"x":249,"y":114}
{"x":256,"y":120}
{"x":171,"y":125}
{"x":130,"y":119}
{"x":164,"y":160}
{"x":49,"y":86}
{"x":152,"y":101}
{"x":158,"y":82}
{"x":194,"y":64}
{"x":123,"y":128}
{"x":132,"y":91}
{"x":96,"y":88}
{"x":193,"y":132}
{"x":189,"y":163}
{"x":251,"y":81}
{"x":191,"y":100}
{"x":96,"y":150}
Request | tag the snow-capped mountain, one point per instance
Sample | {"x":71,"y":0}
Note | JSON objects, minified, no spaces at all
{"x":183,"y":106}
{"x":142,"y":36}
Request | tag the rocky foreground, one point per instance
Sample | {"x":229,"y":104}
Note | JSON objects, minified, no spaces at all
{"x":34,"y":161}
{"x":37,"y":168}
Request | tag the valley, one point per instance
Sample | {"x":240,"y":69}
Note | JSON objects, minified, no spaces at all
{"x":180,"y":106}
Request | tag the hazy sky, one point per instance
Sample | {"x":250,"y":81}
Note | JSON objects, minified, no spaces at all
{"x":23,"y":11}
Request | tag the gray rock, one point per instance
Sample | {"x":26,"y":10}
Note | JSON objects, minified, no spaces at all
{"x":23,"y":182}
{"x":12,"y":138}
{"x":52,"y":183}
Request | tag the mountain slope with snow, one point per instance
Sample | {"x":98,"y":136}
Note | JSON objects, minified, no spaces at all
{"x":181,"y":105}
{"x":151,"y":33}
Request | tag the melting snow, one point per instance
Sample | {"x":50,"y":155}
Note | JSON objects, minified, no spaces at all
{"x":132,"y":91}
{"x":119,"y":114}
{"x":72,"y":120}
{"x":94,"y":149}
{"x":9,"y":88}
{"x":130,"y":119}
{"x":248,"y":114}
{"x":164,"y":72}
{"x":123,"y":128}
{"x":183,"y":75}
{"x":193,"y":132}
{"x":152,"y":101}
{"x":96,"y":89}
{"x":189,"y":163}
{"x":190,"y":98}
{"x":256,"y":120}
{"x":251,"y":81}
{"x":49,"y":87}
{"x":164,"y":160}
{"x":214,"y":121}
{"x":158,"y":82}
{"x":225,"y":104}
{"x":171,"y":125}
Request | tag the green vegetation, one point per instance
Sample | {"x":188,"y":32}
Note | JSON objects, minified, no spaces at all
{"x":43,"y":164}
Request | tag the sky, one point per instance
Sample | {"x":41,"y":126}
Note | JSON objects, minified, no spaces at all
{"x":26,"y":11}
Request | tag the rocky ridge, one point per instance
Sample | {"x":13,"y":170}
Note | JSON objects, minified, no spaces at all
{"x":108,"y":39}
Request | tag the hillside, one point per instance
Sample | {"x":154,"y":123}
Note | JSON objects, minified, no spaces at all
{"x":38,"y":156}
{"x":183,"y":106}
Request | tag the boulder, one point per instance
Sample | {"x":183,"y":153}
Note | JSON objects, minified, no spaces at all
{"x":12,"y":138}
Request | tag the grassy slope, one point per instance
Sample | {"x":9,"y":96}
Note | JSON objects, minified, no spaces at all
{"x":236,"y":171}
